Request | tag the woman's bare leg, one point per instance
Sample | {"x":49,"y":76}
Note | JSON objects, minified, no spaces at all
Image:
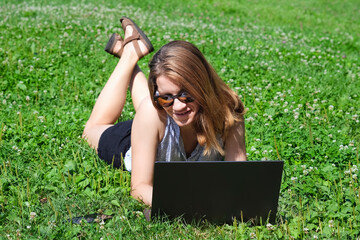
{"x":138,"y":87}
{"x":112,"y":98}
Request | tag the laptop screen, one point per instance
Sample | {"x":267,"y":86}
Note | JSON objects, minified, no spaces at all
{"x":217,"y":191}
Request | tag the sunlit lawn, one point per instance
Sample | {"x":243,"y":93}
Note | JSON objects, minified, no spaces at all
{"x":294,"y":64}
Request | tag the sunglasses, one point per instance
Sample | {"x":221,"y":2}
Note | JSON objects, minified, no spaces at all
{"x":167,"y":100}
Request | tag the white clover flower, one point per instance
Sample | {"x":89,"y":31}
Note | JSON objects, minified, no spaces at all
{"x":270,"y":227}
{"x":331,"y":107}
{"x":250,"y":119}
{"x":52,"y":224}
{"x":32,"y":215}
{"x":41,"y":118}
{"x":296,"y":115}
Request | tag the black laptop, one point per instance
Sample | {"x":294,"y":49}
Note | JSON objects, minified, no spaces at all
{"x":217,"y":192}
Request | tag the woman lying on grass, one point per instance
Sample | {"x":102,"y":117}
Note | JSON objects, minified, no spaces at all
{"x":184,"y":112}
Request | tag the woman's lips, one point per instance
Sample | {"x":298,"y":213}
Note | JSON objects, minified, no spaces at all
{"x":181,"y":114}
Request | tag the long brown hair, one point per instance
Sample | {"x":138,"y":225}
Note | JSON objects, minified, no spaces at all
{"x":220,"y":107}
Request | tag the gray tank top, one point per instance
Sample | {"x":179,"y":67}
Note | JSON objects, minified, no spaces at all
{"x":171,"y":148}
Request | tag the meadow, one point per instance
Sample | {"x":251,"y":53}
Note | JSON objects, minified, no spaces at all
{"x":295,"y":65}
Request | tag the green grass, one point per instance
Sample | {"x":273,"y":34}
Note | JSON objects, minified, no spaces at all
{"x":295,"y":65}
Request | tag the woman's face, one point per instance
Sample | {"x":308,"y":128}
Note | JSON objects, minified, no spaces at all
{"x":182,"y":113}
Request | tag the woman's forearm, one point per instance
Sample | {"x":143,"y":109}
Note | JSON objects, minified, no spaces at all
{"x":143,"y":193}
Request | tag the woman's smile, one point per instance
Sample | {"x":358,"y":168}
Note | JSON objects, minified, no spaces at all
{"x":181,"y":113}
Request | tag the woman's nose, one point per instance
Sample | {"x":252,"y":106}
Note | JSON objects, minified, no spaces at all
{"x":178,"y":105}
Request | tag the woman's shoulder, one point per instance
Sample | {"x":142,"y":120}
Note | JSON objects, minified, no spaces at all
{"x":146,"y":108}
{"x":147,"y":116}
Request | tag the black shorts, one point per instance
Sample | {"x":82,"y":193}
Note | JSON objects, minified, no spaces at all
{"x":114,"y":142}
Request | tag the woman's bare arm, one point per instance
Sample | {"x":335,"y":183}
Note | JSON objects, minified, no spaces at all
{"x":146,"y":130}
{"x":235,"y":149}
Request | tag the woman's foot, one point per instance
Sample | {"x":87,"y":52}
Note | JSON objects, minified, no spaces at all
{"x":135,"y":40}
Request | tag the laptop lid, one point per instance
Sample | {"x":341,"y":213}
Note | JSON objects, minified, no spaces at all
{"x":217,"y":191}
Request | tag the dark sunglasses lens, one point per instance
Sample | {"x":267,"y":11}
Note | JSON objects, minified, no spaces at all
{"x":184,"y":99}
{"x":165,"y":102}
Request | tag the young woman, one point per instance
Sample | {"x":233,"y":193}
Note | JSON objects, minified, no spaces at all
{"x":184,"y":112}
